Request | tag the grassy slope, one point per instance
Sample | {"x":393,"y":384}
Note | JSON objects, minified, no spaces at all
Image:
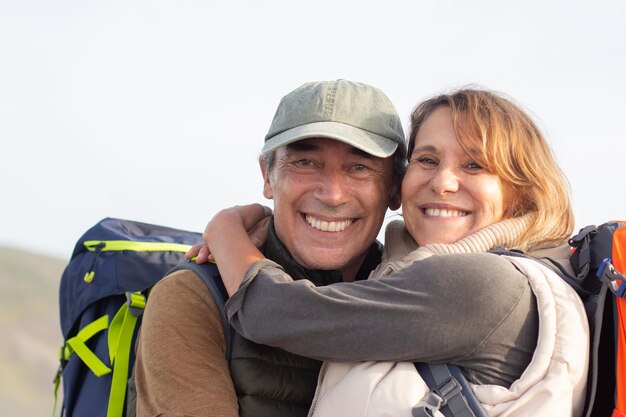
{"x":30,"y":332}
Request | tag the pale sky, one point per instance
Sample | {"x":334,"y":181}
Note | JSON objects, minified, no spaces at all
{"x":156,"y":110}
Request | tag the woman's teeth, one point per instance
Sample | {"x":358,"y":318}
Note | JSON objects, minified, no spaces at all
{"x":435,"y":212}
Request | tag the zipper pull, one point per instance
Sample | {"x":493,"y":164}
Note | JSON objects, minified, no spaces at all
{"x":91,"y":272}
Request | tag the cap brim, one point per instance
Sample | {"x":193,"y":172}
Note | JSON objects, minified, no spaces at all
{"x":369,"y":142}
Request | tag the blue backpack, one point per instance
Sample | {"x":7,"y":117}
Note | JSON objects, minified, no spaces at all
{"x":103,"y":293}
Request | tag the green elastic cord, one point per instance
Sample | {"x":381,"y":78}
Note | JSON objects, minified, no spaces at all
{"x":77,"y":345}
{"x":57,"y":382}
{"x":120,"y":340}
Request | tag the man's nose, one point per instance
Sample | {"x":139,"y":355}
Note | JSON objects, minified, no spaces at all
{"x":444,"y":180}
{"x":332,"y":188}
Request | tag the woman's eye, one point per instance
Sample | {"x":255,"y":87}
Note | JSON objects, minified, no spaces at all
{"x":426,"y":160}
{"x":474,"y":166}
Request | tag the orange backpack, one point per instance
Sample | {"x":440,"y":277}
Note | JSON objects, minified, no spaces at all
{"x":619,"y":263}
{"x":599,"y":260}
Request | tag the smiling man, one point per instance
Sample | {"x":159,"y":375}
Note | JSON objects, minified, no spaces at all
{"x":332,"y":161}
{"x":329,"y":202}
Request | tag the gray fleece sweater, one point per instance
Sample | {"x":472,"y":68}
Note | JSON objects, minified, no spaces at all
{"x":463,"y":306}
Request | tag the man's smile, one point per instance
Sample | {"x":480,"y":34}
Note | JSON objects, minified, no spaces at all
{"x":327,"y":226}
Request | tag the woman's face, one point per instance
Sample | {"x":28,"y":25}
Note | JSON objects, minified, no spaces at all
{"x":446,"y":195}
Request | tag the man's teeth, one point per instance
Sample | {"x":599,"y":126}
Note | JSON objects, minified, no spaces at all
{"x":434,"y":212}
{"x":325,"y":226}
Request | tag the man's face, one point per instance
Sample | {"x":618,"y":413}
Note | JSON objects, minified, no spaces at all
{"x":329,"y":202}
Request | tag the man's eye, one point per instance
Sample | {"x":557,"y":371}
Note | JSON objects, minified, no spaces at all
{"x":359,"y":167}
{"x":303,"y":163}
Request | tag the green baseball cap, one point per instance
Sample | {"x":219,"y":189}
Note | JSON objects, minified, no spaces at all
{"x":351,"y":112}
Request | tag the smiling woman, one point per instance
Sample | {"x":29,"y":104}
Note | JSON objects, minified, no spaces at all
{"x":497,"y":149}
{"x":480,"y":176}
{"x":446,"y":194}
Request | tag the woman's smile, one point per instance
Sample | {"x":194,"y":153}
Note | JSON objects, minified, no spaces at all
{"x":443,"y":212}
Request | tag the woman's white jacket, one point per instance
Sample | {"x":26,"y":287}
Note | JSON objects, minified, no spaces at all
{"x":553,"y":384}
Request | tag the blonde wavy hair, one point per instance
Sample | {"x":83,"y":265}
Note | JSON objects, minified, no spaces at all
{"x":512,"y":147}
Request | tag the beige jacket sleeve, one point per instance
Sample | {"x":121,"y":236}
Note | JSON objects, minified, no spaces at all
{"x":181,"y":367}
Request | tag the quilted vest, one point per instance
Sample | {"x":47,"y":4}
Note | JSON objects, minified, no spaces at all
{"x":271,"y":382}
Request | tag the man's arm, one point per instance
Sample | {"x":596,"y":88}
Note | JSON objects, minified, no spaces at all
{"x":181,"y":367}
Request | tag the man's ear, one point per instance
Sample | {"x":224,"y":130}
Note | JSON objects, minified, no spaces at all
{"x":395,"y":198}
{"x":268,"y":191}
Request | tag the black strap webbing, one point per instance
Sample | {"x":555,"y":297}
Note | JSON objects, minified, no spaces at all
{"x":450,"y":393}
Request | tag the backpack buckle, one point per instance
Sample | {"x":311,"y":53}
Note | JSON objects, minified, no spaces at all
{"x":428,"y":405}
{"x":437,"y":398}
{"x":136,"y":302}
{"x":615,"y":280}
{"x":448,"y":389}
{"x":580,"y":237}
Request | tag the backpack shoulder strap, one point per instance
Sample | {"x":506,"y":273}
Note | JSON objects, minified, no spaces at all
{"x":599,"y":398}
{"x":211,"y":277}
{"x":551,"y":264}
{"x":450,"y":393}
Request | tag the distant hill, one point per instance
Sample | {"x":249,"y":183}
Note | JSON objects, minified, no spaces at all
{"x":30,"y":334}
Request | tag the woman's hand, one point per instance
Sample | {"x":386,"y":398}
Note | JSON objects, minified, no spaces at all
{"x":229,"y":244}
{"x":250,"y":214}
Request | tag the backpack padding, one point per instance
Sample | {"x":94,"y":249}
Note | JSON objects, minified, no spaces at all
{"x":601,"y":379}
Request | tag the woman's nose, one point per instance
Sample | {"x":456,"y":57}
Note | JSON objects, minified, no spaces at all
{"x":444,"y":180}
